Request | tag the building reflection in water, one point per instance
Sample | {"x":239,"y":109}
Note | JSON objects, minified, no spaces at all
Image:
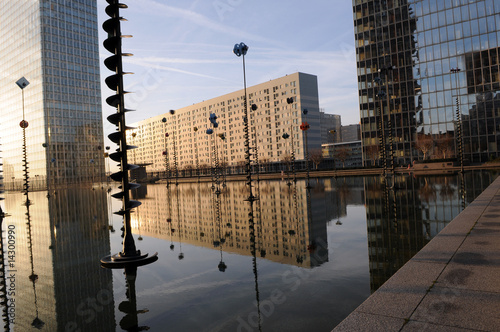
{"x":291,"y":221}
{"x":58,"y":285}
{"x":402,"y":219}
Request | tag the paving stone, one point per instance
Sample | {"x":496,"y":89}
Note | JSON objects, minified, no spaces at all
{"x":425,"y":326}
{"x":359,"y":321}
{"x":400,"y":295}
{"x":461,"y":308}
{"x":440,"y":249}
{"x":479,"y":278}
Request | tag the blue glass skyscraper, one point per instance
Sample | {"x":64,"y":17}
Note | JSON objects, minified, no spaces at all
{"x":54,"y":45}
{"x":428,"y":78}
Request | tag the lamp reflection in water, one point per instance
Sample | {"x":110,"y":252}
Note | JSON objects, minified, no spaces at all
{"x":33,"y":277}
{"x":179,"y":222}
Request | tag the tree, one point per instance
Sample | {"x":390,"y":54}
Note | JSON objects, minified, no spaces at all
{"x":425,"y":144}
{"x":188,"y":169}
{"x":264,"y":163}
{"x":204,"y":168}
{"x":445,"y":146}
{"x":316,"y":156}
{"x":342,"y":153}
{"x":373,"y":153}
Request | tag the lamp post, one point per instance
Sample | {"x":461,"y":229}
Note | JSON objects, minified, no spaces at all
{"x":255,"y":142}
{"x":22,"y":83}
{"x":195,"y":129}
{"x":458,"y":115}
{"x":214,"y":160}
{"x":333,"y":132}
{"x":286,"y":136}
{"x":381,"y":95}
{"x":165,"y":153}
{"x":241,"y":50}
{"x":134,"y":134}
{"x":107,"y":162}
{"x":305,"y":127}
{"x":223,"y":162}
{"x":172,"y":112}
{"x":385,"y":70}
{"x":289,"y":101}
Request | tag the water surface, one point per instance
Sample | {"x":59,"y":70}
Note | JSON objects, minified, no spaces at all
{"x":312,"y":257}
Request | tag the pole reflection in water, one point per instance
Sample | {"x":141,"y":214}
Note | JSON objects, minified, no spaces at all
{"x":179,"y":222}
{"x":55,"y":283}
{"x":130,"y":322}
{"x":33,"y":277}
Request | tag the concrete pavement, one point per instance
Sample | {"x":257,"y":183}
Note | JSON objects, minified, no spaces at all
{"x":452,"y":284}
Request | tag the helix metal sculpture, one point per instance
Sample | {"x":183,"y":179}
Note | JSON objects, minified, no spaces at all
{"x":129,"y":255}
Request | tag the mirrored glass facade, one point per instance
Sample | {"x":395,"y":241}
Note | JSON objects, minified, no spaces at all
{"x":54,"y":45}
{"x":425,"y":70}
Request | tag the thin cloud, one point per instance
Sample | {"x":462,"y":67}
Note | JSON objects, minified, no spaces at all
{"x":141,"y":62}
{"x":155,"y":8}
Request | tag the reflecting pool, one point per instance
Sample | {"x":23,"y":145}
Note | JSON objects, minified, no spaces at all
{"x":313,"y":255}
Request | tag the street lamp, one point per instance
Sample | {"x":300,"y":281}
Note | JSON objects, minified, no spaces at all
{"x":22,"y":83}
{"x":241,"y":50}
{"x":195,"y":129}
{"x":165,"y":153}
{"x":289,"y":101}
{"x":305,"y":127}
{"x":107,"y":162}
{"x":458,"y":115}
{"x":381,"y":94}
{"x":172,"y":112}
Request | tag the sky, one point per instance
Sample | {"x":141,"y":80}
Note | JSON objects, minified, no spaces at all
{"x":183,"y":51}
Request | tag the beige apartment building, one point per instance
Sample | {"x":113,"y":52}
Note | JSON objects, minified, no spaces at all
{"x":187,"y":127}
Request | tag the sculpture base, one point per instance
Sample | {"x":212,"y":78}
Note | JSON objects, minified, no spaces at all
{"x":118,"y":261}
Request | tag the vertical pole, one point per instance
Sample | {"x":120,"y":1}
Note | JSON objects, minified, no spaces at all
{"x":247,"y":138}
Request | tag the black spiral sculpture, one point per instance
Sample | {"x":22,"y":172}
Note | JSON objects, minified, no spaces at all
{"x":129,"y":255}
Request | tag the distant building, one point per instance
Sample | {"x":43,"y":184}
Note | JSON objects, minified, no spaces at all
{"x":351,"y":133}
{"x":184,"y":134}
{"x":348,"y":154}
{"x":330,"y":127}
{"x":54,"y":45}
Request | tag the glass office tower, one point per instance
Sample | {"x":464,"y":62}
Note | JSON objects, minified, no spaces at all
{"x":54,"y":45}
{"x":428,"y":77}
